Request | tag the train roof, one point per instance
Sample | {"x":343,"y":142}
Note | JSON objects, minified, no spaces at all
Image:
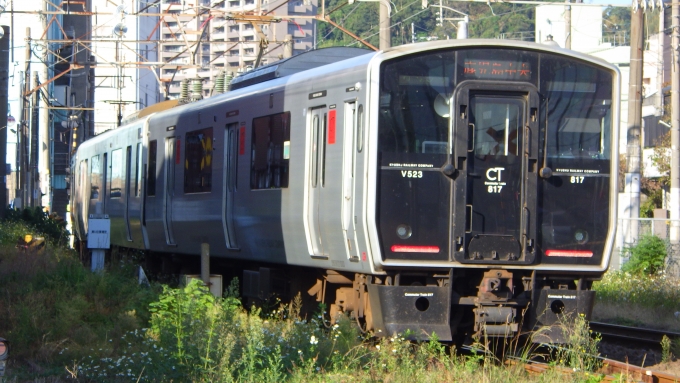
{"x":304,"y":61}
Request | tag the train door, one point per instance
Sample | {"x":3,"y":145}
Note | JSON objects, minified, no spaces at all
{"x":348,"y":161}
{"x":126,"y":211}
{"x":169,"y":191}
{"x":317,"y":204}
{"x":83,"y":196}
{"x":495,"y":199}
{"x":231,"y":146}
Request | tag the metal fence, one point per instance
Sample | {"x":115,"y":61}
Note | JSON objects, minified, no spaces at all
{"x":629,"y":230}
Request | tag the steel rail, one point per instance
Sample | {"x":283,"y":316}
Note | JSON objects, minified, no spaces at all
{"x":613,"y":370}
{"x":627,"y":333}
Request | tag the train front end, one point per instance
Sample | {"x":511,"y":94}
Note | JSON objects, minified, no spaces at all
{"x":495,"y":186}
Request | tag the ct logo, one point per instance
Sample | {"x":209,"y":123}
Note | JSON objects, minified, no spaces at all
{"x":494,"y":174}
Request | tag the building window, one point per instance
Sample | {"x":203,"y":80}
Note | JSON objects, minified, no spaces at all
{"x":249,"y":51}
{"x":198,"y":161}
{"x":233,"y":28}
{"x":95,"y":177}
{"x":249,"y":38}
{"x":151,"y":175}
{"x":233,"y":39}
{"x":117,"y":176}
{"x":234,"y":3}
{"x":271,"y":139}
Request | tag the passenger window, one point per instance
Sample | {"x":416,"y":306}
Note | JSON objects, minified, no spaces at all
{"x":95,"y":177}
{"x":138,"y":169}
{"x":198,"y":161}
{"x":83,"y":178}
{"x":151,"y":175}
{"x":269,"y":167}
{"x":117,"y":177}
{"x":105,"y":173}
{"x":360,"y":129}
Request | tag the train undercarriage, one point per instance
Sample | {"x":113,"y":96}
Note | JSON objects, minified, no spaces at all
{"x":455,"y":304}
{"x":458,"y":303}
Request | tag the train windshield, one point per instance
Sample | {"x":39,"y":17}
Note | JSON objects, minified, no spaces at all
{"x":414,"y":104}
{"x":578,"y":100}
{"x":416,"y":93}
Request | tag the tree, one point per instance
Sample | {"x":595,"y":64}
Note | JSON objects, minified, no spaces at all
{"x":362,"y":19}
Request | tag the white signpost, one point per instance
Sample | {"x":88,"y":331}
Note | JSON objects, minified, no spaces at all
{"x":98,"y":238}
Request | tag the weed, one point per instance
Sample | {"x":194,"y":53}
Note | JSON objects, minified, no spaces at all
{"x":666,"y":349}
{"x":580,"y":351}
{"x":646,"y":257}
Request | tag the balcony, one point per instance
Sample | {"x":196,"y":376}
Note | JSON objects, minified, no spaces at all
{"x":218,"y":47}
{"x":218,"y":36}
{"x":298,"y":6}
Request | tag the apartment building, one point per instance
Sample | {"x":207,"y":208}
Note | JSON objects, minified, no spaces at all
{"x":227,"y":41}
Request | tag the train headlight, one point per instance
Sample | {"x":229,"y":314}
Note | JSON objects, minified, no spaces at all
{"x":404,"y":231}
{"x":581,"y":236}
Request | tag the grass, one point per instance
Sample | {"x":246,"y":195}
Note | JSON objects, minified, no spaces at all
{"x":53,"y":310}
{"x":68,"y":324}
{"x":637,"y":299}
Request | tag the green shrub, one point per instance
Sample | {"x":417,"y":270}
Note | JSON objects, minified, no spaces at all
{"x":649,"y":291}
{"x":646,"y":257}
{"x":51,"y":226}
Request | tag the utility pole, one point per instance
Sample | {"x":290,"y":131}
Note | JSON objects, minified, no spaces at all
{"x":34,"y":188}
{"x":659,"y":63}
{"x":23,"y":124}
{"x":567,"y":24}
{"x":634,"y":158}
{"x":4,"y":85}
{"x":385,"y":37}
{"x":675,"y":132}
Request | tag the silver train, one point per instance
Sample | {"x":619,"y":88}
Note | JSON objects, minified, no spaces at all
{"x":452,"y":187}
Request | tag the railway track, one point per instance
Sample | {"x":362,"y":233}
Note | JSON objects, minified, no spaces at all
{"x":613,"y":370}
{"x":649,"y":337}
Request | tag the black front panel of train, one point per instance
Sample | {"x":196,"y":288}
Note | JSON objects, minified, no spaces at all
{"x":494,"y":156}
{"x":414,"y":196}
{"x":414,"y":213}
